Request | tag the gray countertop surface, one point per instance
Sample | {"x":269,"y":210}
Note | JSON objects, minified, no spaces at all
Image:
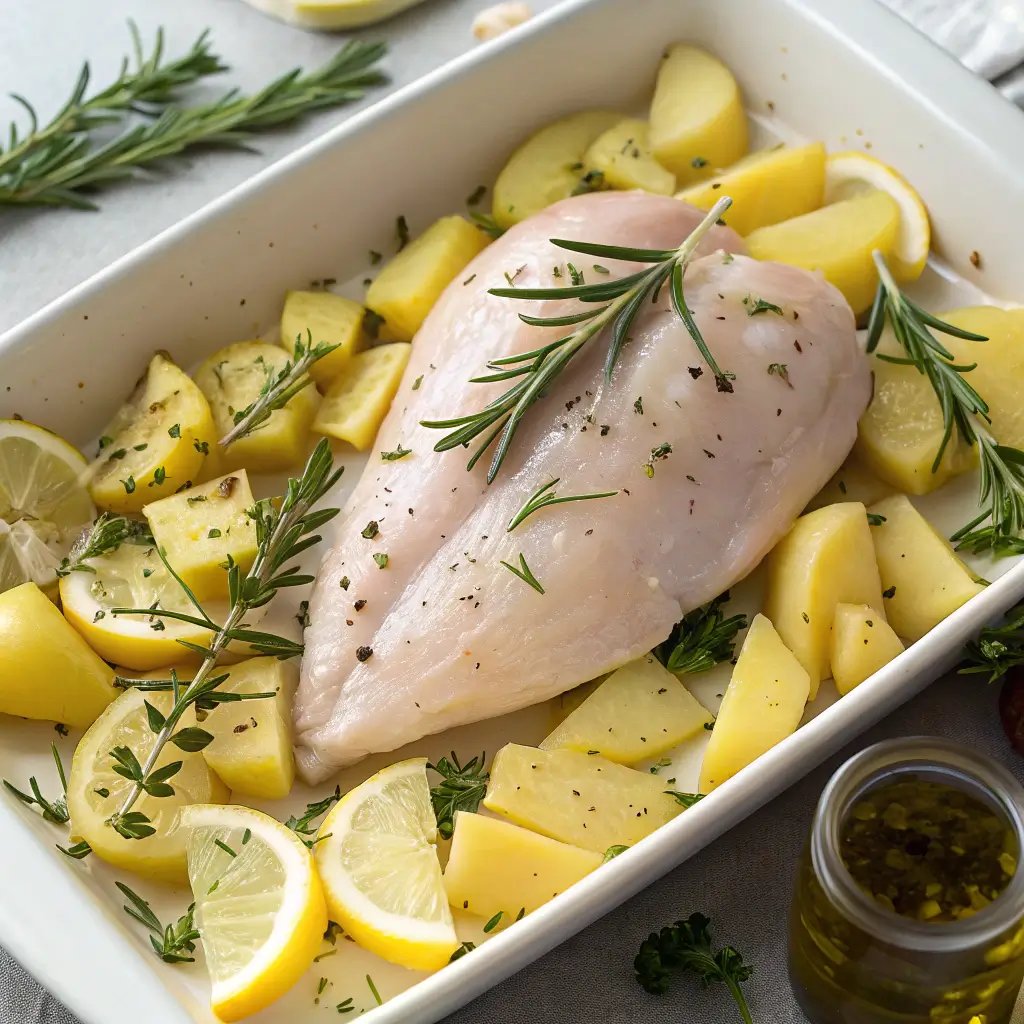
{"x":743,"y":880}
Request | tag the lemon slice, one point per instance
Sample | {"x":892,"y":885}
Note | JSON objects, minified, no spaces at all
{"x":96,"y":791}
{"x":380,"y":871}
{"x":133,"y":577}
{"x":847,"y":174}
{"x":43,"y":507}
{"x":259,"y":905}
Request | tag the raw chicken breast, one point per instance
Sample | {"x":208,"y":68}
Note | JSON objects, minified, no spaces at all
{"x":455,"y":637}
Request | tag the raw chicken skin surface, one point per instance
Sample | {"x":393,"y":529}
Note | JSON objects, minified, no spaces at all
{"x":455,"y":636}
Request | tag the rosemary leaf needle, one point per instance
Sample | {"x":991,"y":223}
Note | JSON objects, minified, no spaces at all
{"x":546,"y":495}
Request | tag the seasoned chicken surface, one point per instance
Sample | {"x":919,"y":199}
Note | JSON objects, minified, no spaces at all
{"x":445,"y":634}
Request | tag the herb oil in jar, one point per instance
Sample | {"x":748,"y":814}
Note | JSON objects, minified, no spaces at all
{"x":908,"y":904}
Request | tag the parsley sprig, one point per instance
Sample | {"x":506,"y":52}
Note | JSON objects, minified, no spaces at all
{"x":686,"y":946}
{"x":461,"y":788}
{"x":281,"y":535}
{"x":614,"y":304}
{"x":702,"y":639}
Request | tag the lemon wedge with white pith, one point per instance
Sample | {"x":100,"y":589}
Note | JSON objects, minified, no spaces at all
{"x":848,"y":174}
{"x":43,"y":507}
{"x":381,"y":876}
{"x":259,"y":905}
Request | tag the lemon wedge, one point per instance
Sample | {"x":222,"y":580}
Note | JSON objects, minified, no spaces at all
{"x":381,"y":875}
{"x":259,"y":905}
{"x":330,"y":15}
{"x":133,"y":577}
{"x":849,"y":174}
{"x":96,"y":791}
{"x":43,"y":507}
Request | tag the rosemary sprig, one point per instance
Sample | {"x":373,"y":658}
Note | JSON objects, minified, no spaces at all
{"x":148,"y":89}
{"x":171,"y":943}
{"x":56,"y":811}
{"x":107,"y":534}
{"x":1001,"y":485}
{"x":997,"y":649}
{"x":525,"y":573}
{"x":702,"y":639}
{"x":617,"y":304}
{"x":461,"y":788}
{"x":62,"y":174}
{"x":281,"y":535}
{"x":279,"y":388}
{"x":545,"y":496}
{"x":687,"y":946}
{"x":303,"y":826}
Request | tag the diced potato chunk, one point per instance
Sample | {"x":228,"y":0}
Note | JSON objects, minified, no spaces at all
{"x":577,"y":798}
{"x":548,"y":166}
{"x":838,"y":240}
{"x":355,"y":406}
{"x":623,"y":156}
{"x":47,"y":670}
{"x":827,"y":558}
{"x":232,"y":379}
{"x":158,"y":441}
{"x":923,"y":579}
{"x":329,"y":319}
{"x":698,"y":124}
{"x":852,"y":481}
{"x":766,"y":187}
{"x":641,"y":710}
{"x":252,"y":739}
{"x":404,"y":292}
{"x":861,"y":644}
{"x":900,"y":432}
{"x":762,"y":706}
{"x":199,"y":528}
{"x":497,"y":866}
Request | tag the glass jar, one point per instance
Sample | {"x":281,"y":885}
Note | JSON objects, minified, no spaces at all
{"x":851,"y":961}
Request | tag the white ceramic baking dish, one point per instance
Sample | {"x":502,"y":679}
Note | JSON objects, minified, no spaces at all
{"x":845,"y":71}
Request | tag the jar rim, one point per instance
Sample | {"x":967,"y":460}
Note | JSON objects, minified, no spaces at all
{"x":941,"y":757}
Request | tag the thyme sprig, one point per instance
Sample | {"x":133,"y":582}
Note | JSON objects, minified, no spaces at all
{"x":63,"y":171}
{"x":1001,"y":484}
{"x":687,"y":946}
{"x":617,"y":303}
{"x":281,"y":535}
{"x":702,"y":639}
{"x":107,"y":534}
{"x":53,"y":811}
{"x":303,"y":825}
{"x":461,"y":788}
{"x":997,"y":649}
{"x":147,"y":89}
{"x":279,"y":388}
{"x":172,"y":943}
{"x":545,"y":496}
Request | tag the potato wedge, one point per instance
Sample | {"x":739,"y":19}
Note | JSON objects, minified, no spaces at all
{"x":577,"y":798}
{"x":158,"y":442}
{"x":47,"y":670}
{"x":623,"y":157}
{"x":328,"y":318}
{"x":766,"y":187}
{"x":861,"y":644}
{"x":852,"y":481}
{"x":923,"y":579}
{"x":548,"y":166}
{"x":641,"y":710}
{"x":201,"y":528}
{"x":838,"y":240}
{"x":827,"y":558}
{"x":355,"y":406}
{"x":404,"y":292}
{"x":251,"y":750}
{"x":497,"y":867}
{"x":762,"y":706}
{"x":698,"y":124}
{"x":231,"y":380}
{"x":900,"y":432}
